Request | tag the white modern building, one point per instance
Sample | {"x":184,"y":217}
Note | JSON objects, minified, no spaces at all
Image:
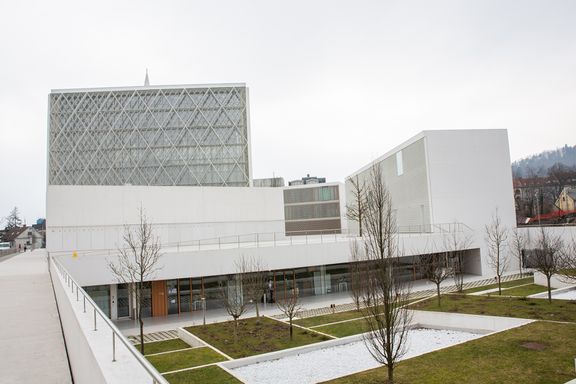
{"x":183,"y":154}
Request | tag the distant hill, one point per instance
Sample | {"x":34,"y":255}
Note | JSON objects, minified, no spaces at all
{"x":538,"y":165}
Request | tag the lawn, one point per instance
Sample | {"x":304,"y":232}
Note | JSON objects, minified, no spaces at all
{"x":207,"y":375}
{"x":539,"y":309}
{"x":163,"y":346}
{"x":507,"y":284}
{"x":172,"y":361}
{"x":253,"y":338}
{"x":523,"y":291}
{"x":330,"y":318}
{"x":347,"y":328}
{"x":539,"y":353}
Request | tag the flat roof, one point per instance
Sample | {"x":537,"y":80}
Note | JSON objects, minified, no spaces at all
{"x":145,"y":87}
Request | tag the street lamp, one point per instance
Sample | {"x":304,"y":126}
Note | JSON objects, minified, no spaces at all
{"x":204,"y":309}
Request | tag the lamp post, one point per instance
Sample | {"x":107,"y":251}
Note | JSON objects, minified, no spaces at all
{"x":204,"y":309}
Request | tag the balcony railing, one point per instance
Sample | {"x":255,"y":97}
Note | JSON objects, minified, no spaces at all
{"x":102,"y":324}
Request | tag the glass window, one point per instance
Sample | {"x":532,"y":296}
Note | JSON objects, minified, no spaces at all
{"x":399,"y":164}
{"x":172,"y":288}
{"x":184,"y":295}
{"x":101,"y":296}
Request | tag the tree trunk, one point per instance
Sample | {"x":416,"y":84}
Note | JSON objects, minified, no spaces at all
{"x":499,"y":286}
{"x":549,"y":289}
{"x":257,"y":310}
{"x":291,"y":330}
{"x":235,"y":329}
{"x":140,"y":320}
{"x":141,"y":333}
{"x":438,"y":293}
{"x":390,"y":374}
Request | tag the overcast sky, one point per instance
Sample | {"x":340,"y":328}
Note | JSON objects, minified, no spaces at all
{"x":333,"y":84}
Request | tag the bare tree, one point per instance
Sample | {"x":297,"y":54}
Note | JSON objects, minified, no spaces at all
{"x":357,"y":273}
{"x":547,"y":258}
{"x":255,"y":280}
{"x":355,"y":211}
{"x":496,"y":237}
{"x":456,"y":243}
{"x":387,"y":318}
{"x":290,"y":305}
{"x":137,"y":263}
{"x":232,"y":297}
{"x":518,"y":243}
{"x":568,"y":270}
{"x":13,"y":220}
{"x":436,"y":267}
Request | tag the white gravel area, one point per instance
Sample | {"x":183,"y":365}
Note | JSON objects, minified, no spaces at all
{"x":566,"y":295}
{"x":333,"y":362}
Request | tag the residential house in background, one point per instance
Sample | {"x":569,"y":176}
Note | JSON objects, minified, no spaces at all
{"x":21,"y":237}
{"x":566,"y":200}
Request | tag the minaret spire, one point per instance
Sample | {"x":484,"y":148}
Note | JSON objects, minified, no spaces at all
{"x":146,"y":79}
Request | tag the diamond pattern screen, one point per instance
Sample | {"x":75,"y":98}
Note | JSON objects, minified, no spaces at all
{"x":171,"y":136}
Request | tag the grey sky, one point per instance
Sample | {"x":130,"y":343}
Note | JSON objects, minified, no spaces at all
{"x":333,"y":84}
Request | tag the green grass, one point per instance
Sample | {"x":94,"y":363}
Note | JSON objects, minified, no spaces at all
{"x":538,"y":309}
{"x":523,"y":291}
{"x":253,"y":338}
{"x":185,"y":359}
{"x":206,"y":375}
{"x":507,"y":284}
{"x":500,"y":358}
{"x":331,"y":318}
{"x":163,"y":346}
{"x":347,"y":328}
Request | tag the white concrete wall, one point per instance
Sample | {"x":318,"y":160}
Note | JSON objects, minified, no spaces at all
{"x":91,"y":268}
{"x":84,"y":366}
{"x":555,"y":282}
{"x":93,"y":217}
{"x":470,"y":177}
{"x":465,"y":322}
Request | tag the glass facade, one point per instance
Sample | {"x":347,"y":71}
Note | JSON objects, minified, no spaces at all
{"x":142,"y":136}
{"x":101,"y":296}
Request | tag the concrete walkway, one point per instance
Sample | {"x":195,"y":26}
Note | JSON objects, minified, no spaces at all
{"x":32,"y":346}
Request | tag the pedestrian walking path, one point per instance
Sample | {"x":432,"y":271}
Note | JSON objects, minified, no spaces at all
{"x":32,"y":346}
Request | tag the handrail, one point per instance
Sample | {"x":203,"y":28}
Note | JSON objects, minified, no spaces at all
{"x":156,"y":377}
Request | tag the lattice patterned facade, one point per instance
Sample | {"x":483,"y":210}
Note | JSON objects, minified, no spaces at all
{"x":189,"y":135}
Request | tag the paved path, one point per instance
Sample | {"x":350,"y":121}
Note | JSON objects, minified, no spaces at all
{"x":31,"y":343}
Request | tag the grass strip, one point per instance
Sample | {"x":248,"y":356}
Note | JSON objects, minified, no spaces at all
{"x":539,"y":353}
{"x":538,"y":309}
{"x":185,"y":359}
{"x":522,"y":291}
{"x":506,"y":284}
{"x":206,"y":375}
{"x":254,"y":337}
{"x":347,"y":328}
{"x":162,"y":346}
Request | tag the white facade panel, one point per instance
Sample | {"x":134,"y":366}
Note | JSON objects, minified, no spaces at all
{"x":93,"y":217}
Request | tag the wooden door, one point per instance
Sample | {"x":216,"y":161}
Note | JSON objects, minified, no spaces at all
{"x":159,"y":298}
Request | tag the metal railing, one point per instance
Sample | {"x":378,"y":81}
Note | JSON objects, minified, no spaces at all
{"x":155,"y":376}
{"x":273,"y":239}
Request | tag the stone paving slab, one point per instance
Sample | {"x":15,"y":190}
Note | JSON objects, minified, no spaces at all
{"x":155,"y":336}
{"x":32,"y":346}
